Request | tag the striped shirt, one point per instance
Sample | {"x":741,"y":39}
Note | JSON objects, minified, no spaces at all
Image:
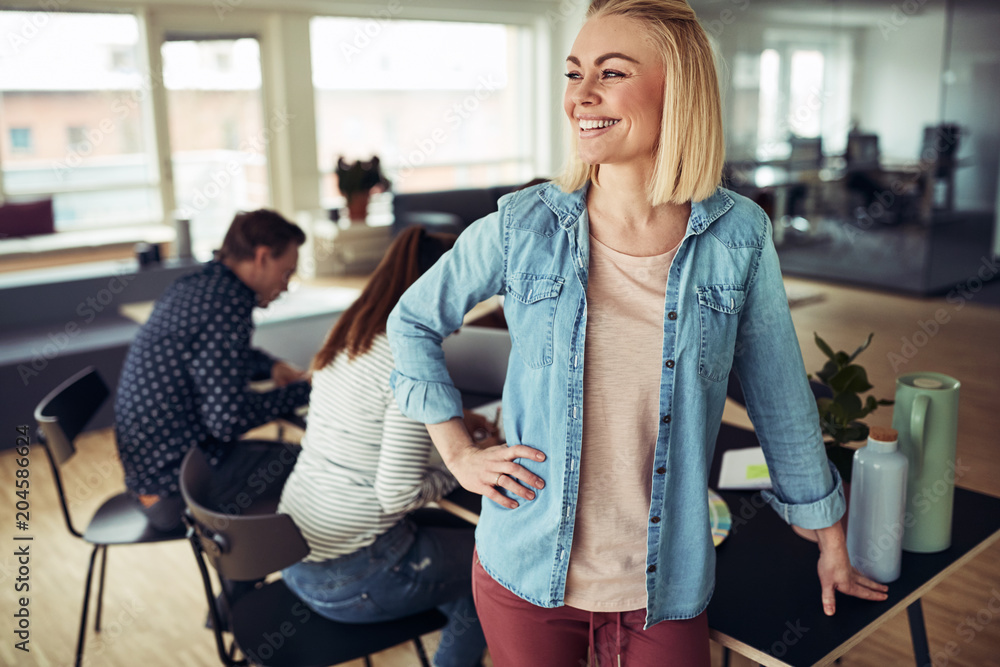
{"x":363,"y":464}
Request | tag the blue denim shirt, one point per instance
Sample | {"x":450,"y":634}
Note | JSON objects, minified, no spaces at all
{"x":725,"y":309}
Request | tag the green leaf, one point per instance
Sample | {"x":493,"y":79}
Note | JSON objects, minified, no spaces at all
{"x":863,"y":347}
{"x":829,"y":370}
{"x":821,"y":344}
{"x":850,"y":379}
{"x":850,"y":404}
{"x":856,"y":431}
{"x":842,"y":359}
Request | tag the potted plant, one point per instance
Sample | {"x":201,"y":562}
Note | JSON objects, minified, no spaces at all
{"x":356,"y":181}
{"x":841,"y":405}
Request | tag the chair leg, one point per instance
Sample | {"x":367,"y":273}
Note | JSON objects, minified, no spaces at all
{"x":420,"y":652}
{"x":83,"y":614}
{"x":368,"y":661}
{"x":100,"y":588}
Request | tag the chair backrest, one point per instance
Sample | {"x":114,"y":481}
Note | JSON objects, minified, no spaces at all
{"x":477,"y":359}
{"x":806,"y":150}
{"x":862,"y":151}
{"x":242,"y":547}
{"x":65,"y":412}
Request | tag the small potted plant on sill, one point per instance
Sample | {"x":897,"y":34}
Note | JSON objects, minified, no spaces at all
{"x":356,"y":182}
{"x":843,"y":408}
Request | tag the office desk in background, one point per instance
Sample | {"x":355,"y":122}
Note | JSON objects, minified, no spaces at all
{"x":766,"y":605}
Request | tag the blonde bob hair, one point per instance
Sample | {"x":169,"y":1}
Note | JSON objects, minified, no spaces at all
{"x":690,"y":152}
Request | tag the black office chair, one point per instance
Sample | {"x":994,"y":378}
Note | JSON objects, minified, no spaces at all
{"x":270,"y":625}
{"x":61,"y":417}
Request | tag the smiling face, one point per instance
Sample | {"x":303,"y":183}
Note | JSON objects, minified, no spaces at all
{"x":614,"y":93}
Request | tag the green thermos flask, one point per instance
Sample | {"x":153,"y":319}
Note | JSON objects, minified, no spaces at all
{"x":926,"y":416}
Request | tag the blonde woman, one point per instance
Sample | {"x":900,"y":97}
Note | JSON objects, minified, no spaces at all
{"x":633,"y":286}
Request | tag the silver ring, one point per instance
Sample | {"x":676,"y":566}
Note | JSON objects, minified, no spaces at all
{"x":497,"y":483}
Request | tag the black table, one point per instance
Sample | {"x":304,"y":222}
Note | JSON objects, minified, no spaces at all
{"x":766,"y":604}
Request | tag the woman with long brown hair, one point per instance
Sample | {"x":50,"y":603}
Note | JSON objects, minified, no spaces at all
{"x":364,"y":468}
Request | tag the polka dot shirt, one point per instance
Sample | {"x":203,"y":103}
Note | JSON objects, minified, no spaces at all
{"x":185,"y":380}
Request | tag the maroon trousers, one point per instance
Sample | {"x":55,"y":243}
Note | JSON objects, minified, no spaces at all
{"x":520,"y":634}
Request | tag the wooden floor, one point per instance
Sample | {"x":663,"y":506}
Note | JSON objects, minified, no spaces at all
{"x":155,"y":610}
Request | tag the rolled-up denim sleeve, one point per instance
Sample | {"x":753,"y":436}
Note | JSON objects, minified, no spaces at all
{"x":806,"y":489}
{"x":434,"y":307}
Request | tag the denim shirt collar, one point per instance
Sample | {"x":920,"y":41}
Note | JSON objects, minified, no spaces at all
{"x":568,"y":206}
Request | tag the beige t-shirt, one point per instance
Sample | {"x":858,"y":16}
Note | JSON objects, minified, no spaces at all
{"x":621,"y":400}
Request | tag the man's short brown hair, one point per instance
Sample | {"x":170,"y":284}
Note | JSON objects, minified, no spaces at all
{"x":262,"y":227}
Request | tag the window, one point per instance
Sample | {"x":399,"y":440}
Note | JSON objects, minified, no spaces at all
{"x":76,"y":137}
{"x":804,"y":91}
{"x":443,"y":105}
{"x":122,"y":58}
{"x":88,"y":147}
{"x":20,"y":139}
{"x":219,"y":167}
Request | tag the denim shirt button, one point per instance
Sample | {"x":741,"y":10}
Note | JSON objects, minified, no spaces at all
{"x":651,"y":569}
{"x":670,"y":363}
{"x":672,"y":315}
{"x":661,"y":470}
{"x":655,"y":519}
{"x":666,"y":419}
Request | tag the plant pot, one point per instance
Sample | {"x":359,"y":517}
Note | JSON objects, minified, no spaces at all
{"x":357,"y":207}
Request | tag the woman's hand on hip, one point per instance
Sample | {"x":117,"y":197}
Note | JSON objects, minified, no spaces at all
{"x":486,"y":470}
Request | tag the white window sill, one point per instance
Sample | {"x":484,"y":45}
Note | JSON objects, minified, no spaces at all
{"x":91,"y":239}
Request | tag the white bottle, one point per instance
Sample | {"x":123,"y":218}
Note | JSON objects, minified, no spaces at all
{"x":878,"y":499}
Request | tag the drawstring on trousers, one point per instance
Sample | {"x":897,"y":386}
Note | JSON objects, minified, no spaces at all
{"x":619,"y":639}
{"x":593,"y":647}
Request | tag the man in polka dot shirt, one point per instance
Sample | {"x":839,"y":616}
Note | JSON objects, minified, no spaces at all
{"x":185,"y":381}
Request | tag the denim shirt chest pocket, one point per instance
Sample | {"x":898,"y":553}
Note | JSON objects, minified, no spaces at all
{"x":719,"y":309}
{"x":531,"y":311}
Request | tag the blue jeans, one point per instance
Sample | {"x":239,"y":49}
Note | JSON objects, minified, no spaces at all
{"x":411,"y":568}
